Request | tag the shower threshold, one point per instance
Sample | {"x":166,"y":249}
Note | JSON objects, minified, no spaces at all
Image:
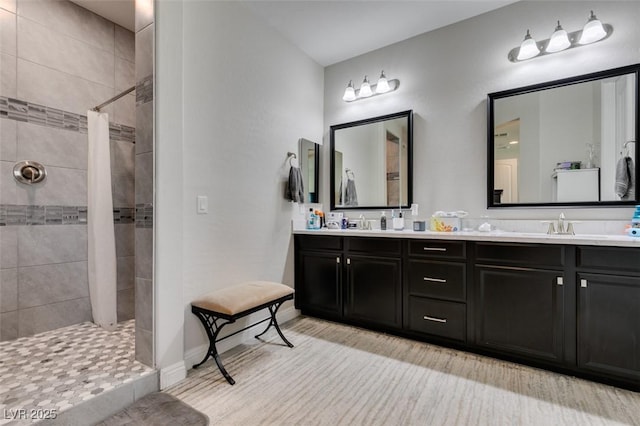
{"x":64,"y":376}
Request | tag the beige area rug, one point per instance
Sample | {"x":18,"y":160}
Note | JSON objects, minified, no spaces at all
{"x":341,"y":375}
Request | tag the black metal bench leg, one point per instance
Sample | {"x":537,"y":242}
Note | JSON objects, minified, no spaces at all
{"x":274,"y":322}
{"x":213,"y":329}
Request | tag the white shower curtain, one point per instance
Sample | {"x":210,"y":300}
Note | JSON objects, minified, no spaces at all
{"x":101,"y":236}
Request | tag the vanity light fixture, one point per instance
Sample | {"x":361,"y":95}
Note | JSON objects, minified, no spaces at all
{"x":367,"y":90}
{"x":383,"y":84}
{"x":559,"y":40}
{"x":593,"y":31}
{"x":528,"y":48}
{"x":349,"y":93}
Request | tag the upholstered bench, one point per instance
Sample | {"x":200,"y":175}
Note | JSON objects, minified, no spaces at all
{"x":222,"y":307}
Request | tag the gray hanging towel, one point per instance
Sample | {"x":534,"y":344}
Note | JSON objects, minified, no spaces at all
{"x":625,"y":178}
{"x":631,"y":191}
{"x":350,"y":194}
{"x":294,"y":191}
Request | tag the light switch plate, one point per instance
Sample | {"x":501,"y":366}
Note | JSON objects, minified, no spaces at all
{"x":203,"y":204}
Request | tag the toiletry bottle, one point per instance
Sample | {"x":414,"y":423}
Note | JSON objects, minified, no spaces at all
{"x":383,"y":222}
{"x":318,"y":222}
{"x":398,"y":222}
{"x":311,"y":220}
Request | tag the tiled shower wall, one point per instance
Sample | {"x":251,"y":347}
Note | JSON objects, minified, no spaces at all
{"x":144,"y":180}
{"x":56,"y":61}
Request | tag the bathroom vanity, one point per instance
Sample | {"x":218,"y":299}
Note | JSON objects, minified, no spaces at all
{"x":566,"y":303}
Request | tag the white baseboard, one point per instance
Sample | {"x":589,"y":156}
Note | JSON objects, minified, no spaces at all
{"x":195,"y":355}
{"x":172,"y":374}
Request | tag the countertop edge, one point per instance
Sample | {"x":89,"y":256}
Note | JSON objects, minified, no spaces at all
{"x":493,"y":236}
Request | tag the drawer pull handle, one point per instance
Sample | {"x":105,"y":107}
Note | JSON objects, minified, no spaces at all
{"x":434,"y":280}
{"x":434,"y":248}
{"x":337,"y":260}
{"x":434,"y":319}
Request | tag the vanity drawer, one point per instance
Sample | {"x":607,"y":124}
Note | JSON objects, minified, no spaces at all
{"x":374,"y":246}
{"x":318,"y":242}
{"x":437,"y":249}
{"x":444,"y":319}
{"x":444,"y":280}
{"x":522,"y":255}
{"x":614,"y":259}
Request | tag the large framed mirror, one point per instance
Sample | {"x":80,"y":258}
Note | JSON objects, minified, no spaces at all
{"x":309,"y":155}
{"x":567,"y":142}
{"x":371,"y":163}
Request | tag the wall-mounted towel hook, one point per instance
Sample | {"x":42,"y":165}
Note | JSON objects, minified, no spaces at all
{"x":625,"y":147}
{"x":291,"y":156}
{"x":349,"y":173}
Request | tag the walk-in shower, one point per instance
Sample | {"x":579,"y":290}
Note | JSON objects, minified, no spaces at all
{"x":57,"y":60}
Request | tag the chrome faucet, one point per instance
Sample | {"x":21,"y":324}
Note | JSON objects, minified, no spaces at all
{"x":563,"y":227}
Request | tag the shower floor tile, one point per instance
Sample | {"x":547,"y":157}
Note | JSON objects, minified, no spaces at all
{"x":45,"y":374}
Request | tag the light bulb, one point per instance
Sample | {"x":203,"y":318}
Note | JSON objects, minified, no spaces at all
{"x":592,"y":31}
{"x":528,"y":48}
{"x":559,"y":40}
{"x":349,"y":93}
{"x":365,"y":88}
{"x":383,"y":84}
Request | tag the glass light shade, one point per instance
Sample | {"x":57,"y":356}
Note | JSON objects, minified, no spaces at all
{"x":559,"y":40}
{"x":365,"y":88}
{"x":528,"y":48}
{"x":592,"y":31}
{"x":349,"y":93}
{"x":383,"y":84}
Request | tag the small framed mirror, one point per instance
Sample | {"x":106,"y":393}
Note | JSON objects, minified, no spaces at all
{"x":309,"y":155}
{"x":567,"y":142}
{"x":371,"y":163}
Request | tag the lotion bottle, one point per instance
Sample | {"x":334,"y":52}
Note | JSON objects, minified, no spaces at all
{"x":383,"y":222}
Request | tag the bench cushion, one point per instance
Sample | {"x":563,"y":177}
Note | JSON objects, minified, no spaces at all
{"x":242,"y":297}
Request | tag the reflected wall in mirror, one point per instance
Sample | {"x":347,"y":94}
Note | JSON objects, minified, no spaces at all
{"x":566,"y":142}
{"x":371,"y":163}
{"x":309,"y":155}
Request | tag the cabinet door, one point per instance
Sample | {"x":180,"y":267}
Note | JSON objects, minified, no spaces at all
{"x":319,"y":286}
{"x":374,"y":290}
{"x":609,"y":324}
{"x":520,"y":311}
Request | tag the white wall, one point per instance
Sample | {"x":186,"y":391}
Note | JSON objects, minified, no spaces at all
{"x":445,"y":76}
{"x":248,"y":95}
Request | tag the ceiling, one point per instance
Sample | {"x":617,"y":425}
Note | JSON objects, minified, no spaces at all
{"x":122,"y":12}
{"x":336,"y":30}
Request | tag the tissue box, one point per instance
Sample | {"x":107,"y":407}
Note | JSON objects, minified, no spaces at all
{"x":445,"y":224}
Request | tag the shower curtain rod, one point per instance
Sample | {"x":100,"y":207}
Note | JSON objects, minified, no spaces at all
{"x":115,"y":98}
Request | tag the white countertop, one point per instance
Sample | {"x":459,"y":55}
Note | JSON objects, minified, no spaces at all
{"x":496,"y":236}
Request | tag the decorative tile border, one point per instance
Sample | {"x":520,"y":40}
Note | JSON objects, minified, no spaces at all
{"x":16,"y":109}
{"x":144,"y":90}
{"x":144,"y":215}
{"x":21,"y":215}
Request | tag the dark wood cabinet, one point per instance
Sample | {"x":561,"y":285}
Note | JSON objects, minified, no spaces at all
{"x":345,"y":284}
{"x":520,"y":311}
{"x":609,"y":325}
{"x":319,"y":290}
{"x":435,"y":289}
{"x":374,"y":290}
{"x":519,"y":300}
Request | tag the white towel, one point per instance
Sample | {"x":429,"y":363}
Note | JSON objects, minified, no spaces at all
{"x":625,"y":179}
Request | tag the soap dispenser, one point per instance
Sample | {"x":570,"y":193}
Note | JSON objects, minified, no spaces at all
{"x":383,"y":222}
{"x":398,"y":222}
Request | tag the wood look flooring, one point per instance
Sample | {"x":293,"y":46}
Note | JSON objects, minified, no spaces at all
{"x":341,"y":375}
